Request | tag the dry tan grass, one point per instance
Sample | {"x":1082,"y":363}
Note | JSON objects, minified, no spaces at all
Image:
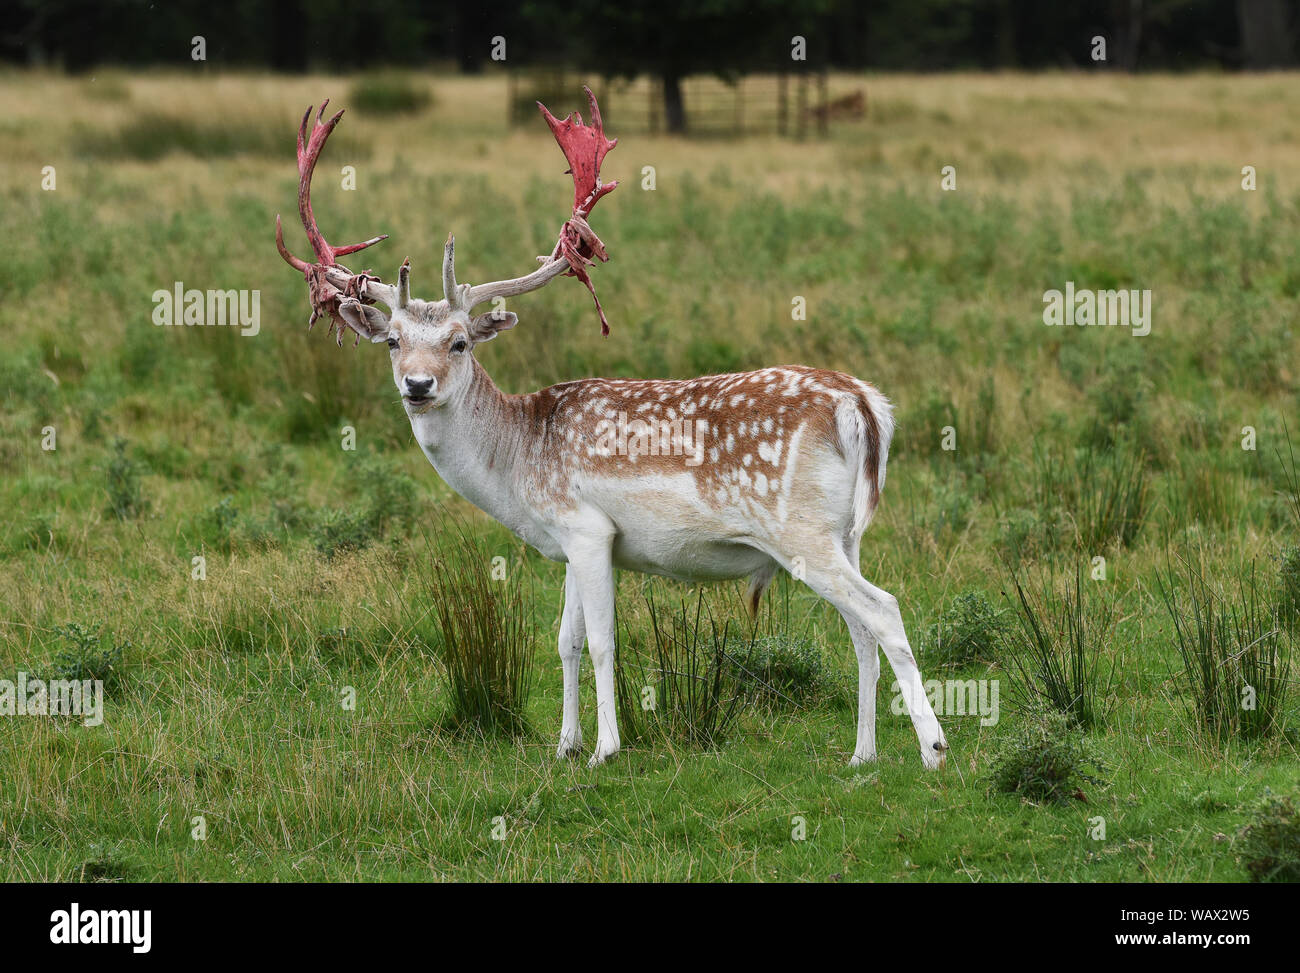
{"x":1211,"y":124}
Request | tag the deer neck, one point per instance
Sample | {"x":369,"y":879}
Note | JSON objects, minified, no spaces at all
{"x":476,"y":442}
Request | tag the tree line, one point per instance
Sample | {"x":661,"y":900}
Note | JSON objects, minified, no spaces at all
{"x":670,"y":39}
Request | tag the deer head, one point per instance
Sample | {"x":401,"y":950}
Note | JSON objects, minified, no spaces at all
{"x":431,"y":342}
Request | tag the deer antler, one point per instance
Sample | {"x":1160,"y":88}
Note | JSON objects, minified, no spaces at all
{"x":323,"y":288}
{"x":330,"y":283}
{"x":578,"y":247}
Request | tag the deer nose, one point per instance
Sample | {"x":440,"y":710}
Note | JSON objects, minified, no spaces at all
{"x":417,"y":386}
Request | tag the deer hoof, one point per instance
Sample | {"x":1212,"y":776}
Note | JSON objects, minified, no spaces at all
{"x":603,"y":753}
{"x":936,"y":755}
{"x":570,"y":745}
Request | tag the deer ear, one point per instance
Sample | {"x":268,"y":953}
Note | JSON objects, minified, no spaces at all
{"x":366,"y":320}
{"x":485,"y":327}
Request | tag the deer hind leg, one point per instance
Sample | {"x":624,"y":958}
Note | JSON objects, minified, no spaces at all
{"x":873,"y":617}
{"x":592,"y":568}
{"x":867,"y":647}
{"x":573,"y":632}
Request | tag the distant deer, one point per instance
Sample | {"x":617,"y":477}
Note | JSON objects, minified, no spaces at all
{"x":850,"y":106}
{"x":705,"y":479}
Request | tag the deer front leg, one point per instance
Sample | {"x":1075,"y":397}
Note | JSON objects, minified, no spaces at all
{"x":573,"y":633}
{"x":591,"y":566}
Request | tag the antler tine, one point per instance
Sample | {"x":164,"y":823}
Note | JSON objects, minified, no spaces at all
{"x":539,"y":278}
{"x":404,"y":283}
{"x":309,"y":149}
{"x":449,"y":269}
{"x":456,"y":294}
{"x":328,"y":282}
{"x":294,"y":262}
{"x":584,"y":147}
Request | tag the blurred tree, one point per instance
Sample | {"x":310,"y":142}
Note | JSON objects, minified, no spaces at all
{"x":1267,"y":33}
{"x":666,"y":38}
{"x":673,"y":39}
{"x":289,"y":52}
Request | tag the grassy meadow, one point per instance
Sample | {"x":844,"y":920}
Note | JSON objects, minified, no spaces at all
{"x":286,"y":717}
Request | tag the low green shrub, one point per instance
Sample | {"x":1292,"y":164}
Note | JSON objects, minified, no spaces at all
{"x":389,"y":94}
{"x":1268,"y":846}
{"x":88,"y":655}
{"x":1045,"y":758}
{"x":387,"y":500}
{"x":126,"y":499}
{"x":967,"y":631}
{"x":784,"y":671}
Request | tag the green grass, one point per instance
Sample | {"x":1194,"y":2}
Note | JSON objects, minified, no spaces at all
{"x":1235,"y":655}
{"x":484,"y":638}
{"x":1056,"y":650}
{"x":689,"y":684}
{"x":286,"y":686}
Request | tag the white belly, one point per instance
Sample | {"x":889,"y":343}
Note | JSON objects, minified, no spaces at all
{"x":686,"y":558}
{"x":665,"y":528}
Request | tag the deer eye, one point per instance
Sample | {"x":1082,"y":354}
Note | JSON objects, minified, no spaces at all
{"x":458,"y":346}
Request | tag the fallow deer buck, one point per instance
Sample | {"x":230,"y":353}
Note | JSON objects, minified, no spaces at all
{"x":778,"y":468}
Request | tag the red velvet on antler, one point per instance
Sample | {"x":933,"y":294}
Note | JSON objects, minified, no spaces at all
{"x":323,"y":295}
{"x":329,"y":283}
{"x":584,"y":147}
